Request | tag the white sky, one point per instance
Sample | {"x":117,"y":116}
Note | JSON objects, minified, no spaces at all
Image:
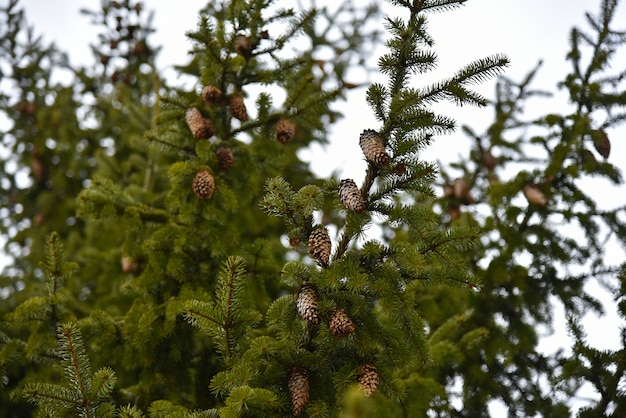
{"x":526,"y":31}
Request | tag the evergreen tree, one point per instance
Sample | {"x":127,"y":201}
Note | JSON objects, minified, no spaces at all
{"x":543,"y":233}
{"x":203,"y":270}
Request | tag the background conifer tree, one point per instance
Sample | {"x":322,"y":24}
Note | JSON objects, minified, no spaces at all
{"x":203,"y":270}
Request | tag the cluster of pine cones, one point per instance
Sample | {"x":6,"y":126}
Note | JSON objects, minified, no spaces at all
{"x":202,"y":127}
{"x":337,"y":320}
{"x":298,"y":384}
{"x":339,"y":326}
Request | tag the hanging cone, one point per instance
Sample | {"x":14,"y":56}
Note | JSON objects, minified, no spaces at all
{"x":298,"y":384}
{"x":285,"y":130}
{"x":601,"y":143}
{"x":489,"y":160}
{"x":199,"y":126}
{"x":294,"y":238}
{"x":243,"y":46}
{"x":368,"y":378}
{"x":320,"y":245}
{"x":211,"y":95}
{"x":461,"y":191}
{"x":306,"y":304}
{"x":225,"y":158}
{"x":203,"y":184}
{"x":238,"y":109}
{"x":351,"y":196}
{"x":339,"y":324}
{"x":534,"y":195}
{"x":373,"y":148}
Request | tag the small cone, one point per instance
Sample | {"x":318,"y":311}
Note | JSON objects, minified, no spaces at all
{"x":320,"y":245}
{"x":238,"y":109}
{"x":461,"y":191}
{"x":368,"y":378}
{"x":298,"y":384}
{"x":211,"y":95}
{"x":601,"y":143}
{"x":225,"y":158}
{"x":339,"y":324}
{"x":351,"y":196}
{"x":294,"y":239}
{"x":534,"y":195}
{"x":373,"y":148}
{"x":203,"y":184}
{"x":285,"y":131}
{"x":489,"y":160}
{"x":199,"y":126}
{"x":129,"y":264}
{"x":243,"y":46}
{"x":306,"y":304}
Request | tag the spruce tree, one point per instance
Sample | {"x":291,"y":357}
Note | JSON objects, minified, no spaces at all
{"x":529,"y":186}
{"x":203,"y":270}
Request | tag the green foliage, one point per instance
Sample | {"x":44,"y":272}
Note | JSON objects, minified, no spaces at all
{"x":195,"y":304}
{"x":86,"y":393}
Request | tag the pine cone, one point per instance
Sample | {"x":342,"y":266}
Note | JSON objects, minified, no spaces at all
{"x":298,"y":384}
{"x":534,"y":195}
{"x":294,"y":239}
{"x":601,"y":143}
{"x":368,"y":378}
{"x":203,"y":184}
{"x":211,"y":95}
{"x":199,"y":126}
{"x":225,"y":158}
{"x":243,"y":46}
{"x":351,"y":196}
{"x":306,"y":304}
{"x":461,"y":191}
{"x":320,"y":245}
{"x":339,"y":324}
{"x":373,"y":148}
{"x":238,"y":108}
{"x":285,"y":131}
{"x":489,"y":160}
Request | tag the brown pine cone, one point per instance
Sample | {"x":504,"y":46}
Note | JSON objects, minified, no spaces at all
{"x":339,"y":324}
{"x":534,"y":195}
{"x":211,"y":95}
{"x":373,"y":148}
{"x":225,"y":158}
{"x":285,"y":131}
{"x":238,"y":109}
{"x":320,"y":245}
{"x":298,"y":384}
{"x":306,"y":304}
{"x":351,"y":196}
{"x":602,"y":143}
{"x":243,"y":46}
{"x":368,"y":378}
{"x":203,"y":184}
{"x":199,"y":126}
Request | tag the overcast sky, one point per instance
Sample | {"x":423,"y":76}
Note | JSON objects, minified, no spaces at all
{"x":526,"y":31}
